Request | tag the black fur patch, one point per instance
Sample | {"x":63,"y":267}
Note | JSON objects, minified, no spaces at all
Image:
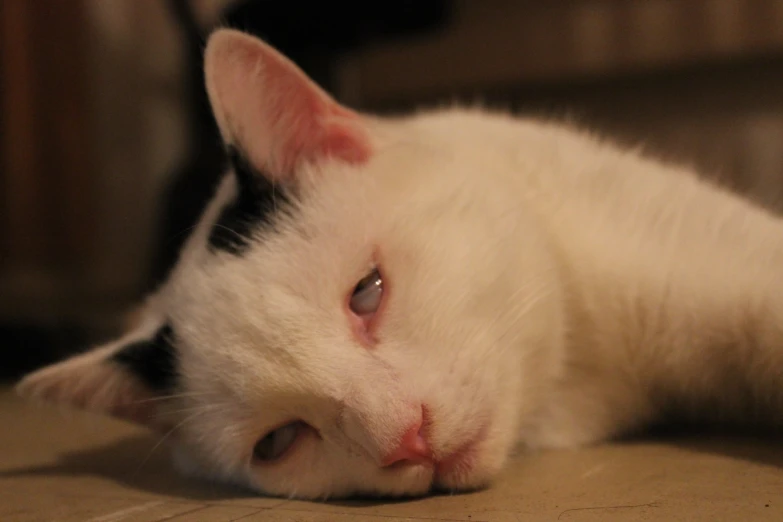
{"x":257,"y":204}
{"x":153,"y":361}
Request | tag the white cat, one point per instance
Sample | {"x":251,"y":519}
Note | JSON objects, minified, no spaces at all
{"x":392,"y":305}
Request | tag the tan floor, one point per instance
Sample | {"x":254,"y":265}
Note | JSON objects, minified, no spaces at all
{"x":76,"y":467}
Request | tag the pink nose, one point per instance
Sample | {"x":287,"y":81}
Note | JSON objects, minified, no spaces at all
{"x":413,"y":448}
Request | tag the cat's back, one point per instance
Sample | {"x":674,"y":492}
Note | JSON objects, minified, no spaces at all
{"x":550,"y":163}
{"x":585,"y":186}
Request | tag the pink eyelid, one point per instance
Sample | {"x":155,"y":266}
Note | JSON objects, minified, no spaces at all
{"x":361,"y":325}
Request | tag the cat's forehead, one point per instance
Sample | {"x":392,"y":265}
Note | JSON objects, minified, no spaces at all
{"x":331,"y":216}
{"x":270,"y":261}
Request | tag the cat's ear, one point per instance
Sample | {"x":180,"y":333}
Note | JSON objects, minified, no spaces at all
{"x":126,"y":378}
{"x":267,"y":107}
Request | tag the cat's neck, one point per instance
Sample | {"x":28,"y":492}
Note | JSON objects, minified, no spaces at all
{"x":678,"y":305}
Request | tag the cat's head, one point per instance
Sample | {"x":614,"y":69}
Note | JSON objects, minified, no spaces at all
{"x":362,"y":308}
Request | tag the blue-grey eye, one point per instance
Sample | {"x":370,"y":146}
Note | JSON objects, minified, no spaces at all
{"x":367,"y":294}
{"x":276,"y":443}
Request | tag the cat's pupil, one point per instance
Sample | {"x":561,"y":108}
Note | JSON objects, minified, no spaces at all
{"x":274,"y":445}
{"x":374,"y":278}
{"x":367,"y":294}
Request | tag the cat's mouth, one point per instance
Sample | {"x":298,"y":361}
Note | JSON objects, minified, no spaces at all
{"x":459,"y":470}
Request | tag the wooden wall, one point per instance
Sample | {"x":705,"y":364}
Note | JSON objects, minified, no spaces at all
{"x":90,"y":125}
{"x":47,"y":220}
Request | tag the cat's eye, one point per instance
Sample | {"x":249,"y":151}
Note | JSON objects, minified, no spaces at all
{"x":366,"y":297}
{"x":276,"y":443}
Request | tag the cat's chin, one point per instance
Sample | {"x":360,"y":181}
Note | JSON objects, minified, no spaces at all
{"x":463,"y":473}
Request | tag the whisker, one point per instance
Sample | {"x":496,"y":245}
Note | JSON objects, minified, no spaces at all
{"x":187,"y":409}
{"x":535,"y":293}
{"x":180,"y":233}
{"x":173,"y":396}
{"x":238,"y":235}
{"x":225,"y":227}
{"x":204,"y":409}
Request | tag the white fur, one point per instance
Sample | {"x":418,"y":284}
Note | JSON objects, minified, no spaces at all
{"x":553,"y":286}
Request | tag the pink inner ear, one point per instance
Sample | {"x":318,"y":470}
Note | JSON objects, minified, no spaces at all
{"x":265,"y":104}
{"x":342,"y":142}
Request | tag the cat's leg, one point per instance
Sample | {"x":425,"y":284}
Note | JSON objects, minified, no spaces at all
{"x":725,"y":364}
{"x":585,"y":407}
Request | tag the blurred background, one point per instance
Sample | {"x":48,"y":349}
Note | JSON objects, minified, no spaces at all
{"x":109,"y":151}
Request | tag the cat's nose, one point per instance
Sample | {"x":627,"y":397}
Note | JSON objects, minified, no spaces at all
{"x":413,"y":448}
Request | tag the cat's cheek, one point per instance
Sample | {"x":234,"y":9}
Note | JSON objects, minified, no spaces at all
{"x":185,"y":461}
{"x":186,"y":464}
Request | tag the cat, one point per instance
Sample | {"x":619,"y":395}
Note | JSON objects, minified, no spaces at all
{"x":395,"y":305}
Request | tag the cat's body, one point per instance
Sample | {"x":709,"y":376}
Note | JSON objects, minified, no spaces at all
{"x":535,"y":287}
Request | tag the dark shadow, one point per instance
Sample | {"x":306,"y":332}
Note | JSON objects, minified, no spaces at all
{"x":136,"y":462}
{"x":124,"y":462}
{"x":752,"y":449}
{"x":379,"y":500}
{"x":27,"y":346}
{"x":759,"y":445}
